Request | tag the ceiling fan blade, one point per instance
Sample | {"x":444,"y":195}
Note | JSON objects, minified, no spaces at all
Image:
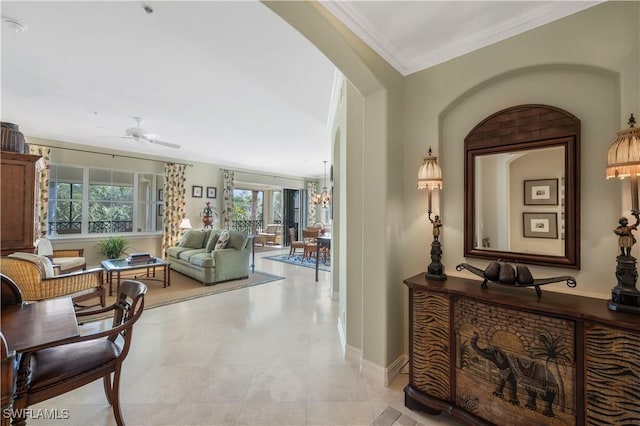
{"x":167,"y":144}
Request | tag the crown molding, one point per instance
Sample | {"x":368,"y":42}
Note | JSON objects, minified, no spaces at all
{"x":356,"y":22}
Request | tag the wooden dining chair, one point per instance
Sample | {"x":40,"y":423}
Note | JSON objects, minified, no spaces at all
{"x":295,"y":243}
{"x":310,"y":238}
{"x":7,"y":379}
{"x":11,"y":294}
{"x":75,"y":362}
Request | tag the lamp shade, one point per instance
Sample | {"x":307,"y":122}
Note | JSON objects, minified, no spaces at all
{"x":430,"y":174}
{"x":185,"y":224}
{"x":623,"y":159}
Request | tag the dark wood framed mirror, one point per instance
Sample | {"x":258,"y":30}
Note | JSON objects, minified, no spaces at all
{"x":522,"y":187}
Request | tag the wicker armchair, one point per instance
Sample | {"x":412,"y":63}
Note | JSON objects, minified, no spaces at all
{"x":36,"y":285}
{"x":67,"y":260}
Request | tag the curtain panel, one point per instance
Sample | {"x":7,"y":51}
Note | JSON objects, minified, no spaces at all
{"x":227,"y":199}
{"x":174,"y":204}
{"x":42,"y":189}
{"x":312,"y":190}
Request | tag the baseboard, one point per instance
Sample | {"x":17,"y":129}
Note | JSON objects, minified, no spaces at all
{"x":381,"y":375}
{"x":393,"y":371}
{"x":343,"y":336}
{"x":351,"y":353}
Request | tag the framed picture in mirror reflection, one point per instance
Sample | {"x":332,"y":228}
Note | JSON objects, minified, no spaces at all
{"x":541,"y":192}
{"x":540,"y":225}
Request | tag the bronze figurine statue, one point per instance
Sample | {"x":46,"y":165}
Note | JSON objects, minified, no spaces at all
{"x":437,"y":224}
{"x":624,"y":231}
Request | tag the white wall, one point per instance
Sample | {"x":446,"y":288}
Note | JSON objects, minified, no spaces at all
{"x":586,"y":64}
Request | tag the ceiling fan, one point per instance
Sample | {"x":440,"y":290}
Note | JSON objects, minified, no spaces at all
{"x":141,"y":135}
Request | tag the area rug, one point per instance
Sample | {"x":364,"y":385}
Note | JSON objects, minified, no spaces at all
{"x":184,"y":288}
{"x":299,"y":261}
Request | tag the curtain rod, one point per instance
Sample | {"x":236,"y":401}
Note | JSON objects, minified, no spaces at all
{"x":112,"y":155}
{"x":273,"y":176}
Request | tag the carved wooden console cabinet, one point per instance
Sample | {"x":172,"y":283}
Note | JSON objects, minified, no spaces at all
{"x":502,"y":356}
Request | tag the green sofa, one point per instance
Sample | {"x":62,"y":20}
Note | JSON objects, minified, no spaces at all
{"x":199,"y":257}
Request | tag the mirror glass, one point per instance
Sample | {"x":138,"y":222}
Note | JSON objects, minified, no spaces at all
{"x":520,"y":201}
{"x":522,"y":183}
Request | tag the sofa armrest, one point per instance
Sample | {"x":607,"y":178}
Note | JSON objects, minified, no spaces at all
{"x":231,"y":263}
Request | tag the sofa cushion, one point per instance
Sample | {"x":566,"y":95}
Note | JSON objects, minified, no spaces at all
{"x":176,"y":250}
{"x":223,"y":240}
{"x":202,"y":259}
{"x":213,"y":239}
{"x":193,"y":238}
{"x":187,"y":254}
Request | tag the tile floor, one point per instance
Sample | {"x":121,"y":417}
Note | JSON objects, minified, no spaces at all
{"x":265,"y":355}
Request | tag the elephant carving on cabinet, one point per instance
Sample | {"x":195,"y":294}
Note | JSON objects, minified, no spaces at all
{"x":536,"y":379}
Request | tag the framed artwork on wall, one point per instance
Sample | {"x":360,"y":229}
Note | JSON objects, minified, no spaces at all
{"x":212,"y":192}
{"x":196,"y":191}
{"x":540,"y":225}
{"x":160,"y":194}
{"x":541,"y":192}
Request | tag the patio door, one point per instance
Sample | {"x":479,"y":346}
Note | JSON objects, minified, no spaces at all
{"x":292,"y":213}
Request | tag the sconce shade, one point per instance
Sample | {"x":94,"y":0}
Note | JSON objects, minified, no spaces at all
{"x":185,"y":224}
{"x":430,"y":174}
{"x":623,"y":159}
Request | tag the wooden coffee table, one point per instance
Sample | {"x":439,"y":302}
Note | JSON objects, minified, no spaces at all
{"x":120,"y":266}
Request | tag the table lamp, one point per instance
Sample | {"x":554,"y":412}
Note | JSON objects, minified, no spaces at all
{"x":184,"y":225}
{"x":623,"y":160}
{"x":430,"y":178}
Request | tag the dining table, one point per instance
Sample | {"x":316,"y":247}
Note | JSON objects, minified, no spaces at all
{"x":323,"y":241}
{"x":28,"y":327}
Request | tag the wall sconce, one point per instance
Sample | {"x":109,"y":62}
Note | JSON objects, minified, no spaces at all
{"x":430,"y":178}
{"x":623,"y":160}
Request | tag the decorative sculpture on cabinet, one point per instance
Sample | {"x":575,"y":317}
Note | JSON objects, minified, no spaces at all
{"x":536,"y":378}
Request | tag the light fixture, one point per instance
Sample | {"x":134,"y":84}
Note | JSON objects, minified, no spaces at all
{"x":13,"y":24}
{"x":430,"y":178}
{"x":323,"y":197}
{"x":623,"y":160}
{"x":184,"y":224}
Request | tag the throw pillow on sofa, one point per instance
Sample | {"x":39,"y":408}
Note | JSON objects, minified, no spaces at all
{"x":193,"y":238}
{"x":223,"y":240}
{"x":211,"y":242}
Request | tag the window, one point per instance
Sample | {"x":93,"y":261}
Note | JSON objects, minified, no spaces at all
{"x":87,"y":200}
{"x":247,"y":204}
{"x":276,"y":206}
{"x":65,"y":200}
{"x":110,"y":201}
{"x":247,"y":215}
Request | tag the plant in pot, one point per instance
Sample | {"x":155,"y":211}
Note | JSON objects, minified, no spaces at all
{"x":208,"y":214}
{"x":112,"y":247}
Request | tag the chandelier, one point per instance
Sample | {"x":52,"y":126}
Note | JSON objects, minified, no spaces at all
{"x":323,"y":197}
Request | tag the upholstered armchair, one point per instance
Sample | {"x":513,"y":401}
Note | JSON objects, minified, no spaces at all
{"x":35,"y":277}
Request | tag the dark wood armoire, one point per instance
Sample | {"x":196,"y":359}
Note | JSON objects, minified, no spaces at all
{"x":17,"y":211}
